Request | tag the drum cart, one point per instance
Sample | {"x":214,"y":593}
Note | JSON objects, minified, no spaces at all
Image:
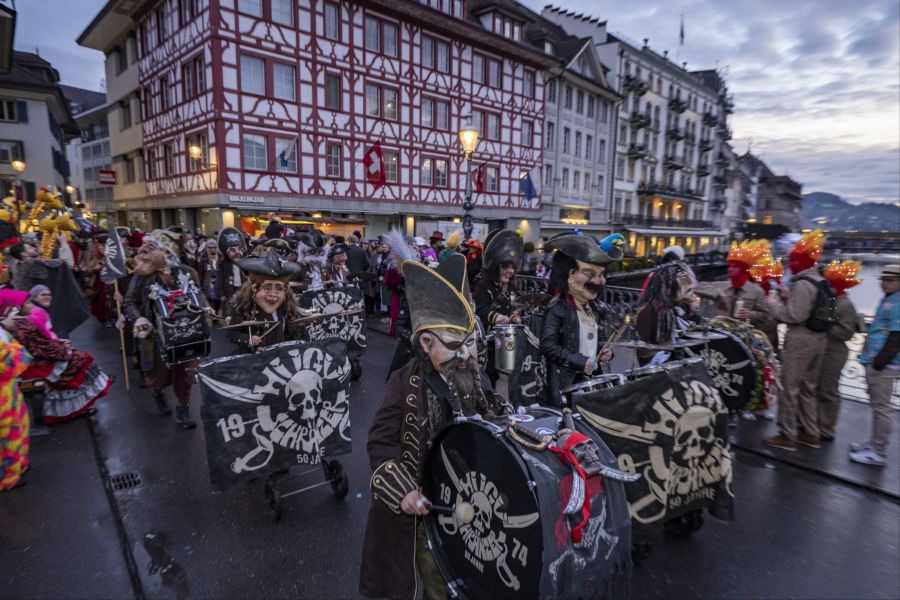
{"x":334,"y":475}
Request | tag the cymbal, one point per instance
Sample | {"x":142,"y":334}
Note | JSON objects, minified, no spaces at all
{"x":638,"y":345}
{"x":364,"y":276}
{"x":704,"y":335}
{"x":683,"y":344}
{"x":245,"y":324}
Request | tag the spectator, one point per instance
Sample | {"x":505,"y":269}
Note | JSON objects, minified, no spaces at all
{"x":14,"y":424}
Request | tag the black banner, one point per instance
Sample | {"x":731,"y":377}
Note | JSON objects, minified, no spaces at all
{"x":113,"y":259}
{"x":285,"y":405}
{"x":528,"y":381}
{"x":333,"y":301}
{"x":672,"y":428}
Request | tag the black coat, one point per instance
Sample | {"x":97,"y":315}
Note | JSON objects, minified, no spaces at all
{"x":560,"y":341}
{"x":357,"y":261}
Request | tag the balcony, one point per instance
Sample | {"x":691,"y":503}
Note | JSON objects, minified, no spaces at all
{"x":725,"y":132}
{"x":675,"y":133}
{"x":720,"y":181}
{"x":633,"y":84}
{"x":637,"y":151}
{"x":643,"y":221}
{"x":674,"y":162}
{"x":654,"y":126}
{"x":705,"y":145}
{"x":710,"y":119}
{"x":702,"y":170}
{"x":690,"y":138}
{"x":728,"y":104}
{"x":668,"y":191}
{"x":677,"y":105}
{"x":722,"y":160}
{"x":639,"y":120}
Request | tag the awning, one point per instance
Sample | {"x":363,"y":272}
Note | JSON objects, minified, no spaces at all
{"x":676,"y":232}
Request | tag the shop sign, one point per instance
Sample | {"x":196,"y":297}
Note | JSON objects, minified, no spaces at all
{"x":241,"y":199}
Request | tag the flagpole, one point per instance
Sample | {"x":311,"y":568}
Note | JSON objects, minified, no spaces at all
{"x":121,"y":335}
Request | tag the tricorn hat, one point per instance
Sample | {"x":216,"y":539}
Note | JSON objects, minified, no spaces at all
{"x":583,"y":247}
{"x":439,"y":297}
{"x":268,"y":266}
{"x":279,"y":245}
{"x":437,"y":235}
{"x":230,"y":237}
{"x":164,"y":239}
{"x":503,"y":246}
{"x":337,"y":249}
{"x":313,"y":239}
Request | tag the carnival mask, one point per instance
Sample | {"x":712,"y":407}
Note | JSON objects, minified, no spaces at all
{"x":234,"y":253}
{"x":586,"y":283}
{"x":270,"y":295}
{"x":150,"y":259}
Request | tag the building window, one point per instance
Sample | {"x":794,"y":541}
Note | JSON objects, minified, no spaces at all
{"x":124,"y":114}
{"x":255,"y":152}
{"x":373,"y":34}
{"x":121,"y":53}
{"x":9,"y":112}
{"x":427,"y":112}
{"x":568,"y":99}
{"x":600,"y":187}
{"x":161,"y":33}
{"x":283,"y":76}
{"x":151,"y":164}
{"x":425,"y":175}
{"x":199,"y":75}
{"x":491,"y":126}
{"x":286,"y":155}
{"x":579,"y":103}
{"x":576,"y":181}
{"x":620,"y":168}
{"x":389,"y":35}
{"x":527,"y":133}
{"x":373,"y":100}
{"x":577,"y":144}
{"x":564,"y":184}
{"x":168,"y":160}
{"x":381,"y":102}
{"x":11,"y":150}
{"x":440,"y":172}
{"x":486,"y":70}
{"x":391,"y":167}
{"x":332,"y":91}
{"x":528,"y":83}
{"x":548,"y":137}
{"x":128,"y":168}
{"x":492,"y":179}
{"x":283,"y":12}
{"x":442,"y":115}
{"x":435,"y":54}
{"x":332,"y":21}
{"x":389,"y":97}
{"x":333,"y":160}
{"x":551,"y":91}
{"x":187,"y":82}
{"x":591,"y":107}
{"x":253,"y":75}
{"x":587,"y":182}
{"x":251,"y":7}
{"x":165,"y":94}
{"x":567,"y":133}
{"x":588,"y":147}
{"x":198,"y":164}
{"x":548,"y":176}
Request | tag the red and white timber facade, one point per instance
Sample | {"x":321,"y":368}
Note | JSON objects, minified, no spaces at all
{"x":284,"y":107}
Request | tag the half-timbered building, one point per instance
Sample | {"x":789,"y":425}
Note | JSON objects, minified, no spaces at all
{"x":338,"y":113}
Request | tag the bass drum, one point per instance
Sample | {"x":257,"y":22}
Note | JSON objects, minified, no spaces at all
{"x":519,"y":543}
{"x":731,"y":365}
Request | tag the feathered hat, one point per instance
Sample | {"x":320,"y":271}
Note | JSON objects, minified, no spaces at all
{"x":439,"y":298}
{"x":765,"y":268}
{"x":586,"y":248}
{"x":454,"y":239}
{"x":748,"y":253}
{"x":809,"y":247}
{"x":842,"y":275}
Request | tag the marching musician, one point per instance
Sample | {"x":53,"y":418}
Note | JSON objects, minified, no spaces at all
{"x":666,"y":308}
{"x":495,"y":293}
{"x":265,"y":298}
{"x":442,"y":381}
{"x":312,"y":256}
{"x":229,"y":279}
{"x":336,"y":272}
{"x":157,"y":263}
{"x":572,"y":323}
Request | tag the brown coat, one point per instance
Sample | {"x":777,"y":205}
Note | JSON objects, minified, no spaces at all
{"x":755,"y":301}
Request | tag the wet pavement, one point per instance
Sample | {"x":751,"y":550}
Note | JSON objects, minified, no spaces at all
{"x":798,"y":533}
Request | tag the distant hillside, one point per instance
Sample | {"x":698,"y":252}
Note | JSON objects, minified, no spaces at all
{"x":821,"y":209}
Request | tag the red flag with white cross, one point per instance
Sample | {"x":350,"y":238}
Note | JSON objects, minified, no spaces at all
{"x":478,"y":178}
{"x":373,"y":160}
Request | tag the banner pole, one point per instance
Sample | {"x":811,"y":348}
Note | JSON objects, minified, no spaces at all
{"x":121,"y":336}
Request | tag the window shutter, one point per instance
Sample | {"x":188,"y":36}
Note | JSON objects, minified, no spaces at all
{"x":22,"y":111}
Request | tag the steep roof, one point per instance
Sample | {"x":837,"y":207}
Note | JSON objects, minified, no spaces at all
{"x":81,"y":99}
{"x":32,"y":73}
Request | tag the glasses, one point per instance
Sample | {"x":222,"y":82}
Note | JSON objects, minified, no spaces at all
{"x":269,"y":288}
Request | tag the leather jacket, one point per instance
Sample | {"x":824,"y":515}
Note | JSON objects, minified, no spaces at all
{"x":560,"y":341}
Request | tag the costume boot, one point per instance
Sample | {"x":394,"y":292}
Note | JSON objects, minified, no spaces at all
{"x":183,"y":416}
{"x":163,"y":406}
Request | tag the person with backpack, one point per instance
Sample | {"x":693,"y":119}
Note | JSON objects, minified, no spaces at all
{"x":881,"y":357}
{"x":841,"y":276}
{"x":809,"y":310}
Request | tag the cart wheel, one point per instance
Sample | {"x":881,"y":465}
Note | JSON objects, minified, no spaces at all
{"x":273,"y":499}
{"x":355,"y":369}
{"x":686,"y":525}
{"x":334,"y":470}
{"x":640,"y":551}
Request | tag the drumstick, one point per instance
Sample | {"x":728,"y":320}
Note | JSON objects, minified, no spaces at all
{"x":463,"y":511}
{"x":269,"y":330}
{"x":325,"y":316}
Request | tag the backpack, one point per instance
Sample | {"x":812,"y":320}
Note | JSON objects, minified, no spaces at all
{"x":824,"y":313}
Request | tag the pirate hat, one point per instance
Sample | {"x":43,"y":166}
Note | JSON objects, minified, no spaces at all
{"x":439,"y":298}
{"x":585,"y":248}
{"x":313,"y":239}
{"x":230,"y":237}
{"x":279,"y":245}
{"x":164,"y":239}
{"x":437,"y":235}
{"x":268,"y":266}
{"x":337,"y":249}
{"x":503,"y":246}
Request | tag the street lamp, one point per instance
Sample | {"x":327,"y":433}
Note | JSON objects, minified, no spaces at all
{"x":195,"y":151}
{"x":70,"y":189}
{"x":468,"y":139}
{"x":19,"y":167}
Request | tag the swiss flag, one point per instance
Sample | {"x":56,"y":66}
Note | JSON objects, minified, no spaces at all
{"x":478,"y":178}
{"x":373,"y":160}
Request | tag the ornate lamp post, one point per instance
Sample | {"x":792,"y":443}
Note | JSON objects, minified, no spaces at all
{"x":19,"y":167}
{"x":468,"y":139}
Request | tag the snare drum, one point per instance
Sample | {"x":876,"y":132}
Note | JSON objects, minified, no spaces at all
{"x":641,"y":372}
{"x":182,"y":336}
{"x":731,"y":365}
{"x":519,"y":544}
{"x":601,"y":382}
{"x":505,"y":346}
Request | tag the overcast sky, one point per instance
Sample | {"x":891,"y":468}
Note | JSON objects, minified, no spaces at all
{"x":816,"y":82}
